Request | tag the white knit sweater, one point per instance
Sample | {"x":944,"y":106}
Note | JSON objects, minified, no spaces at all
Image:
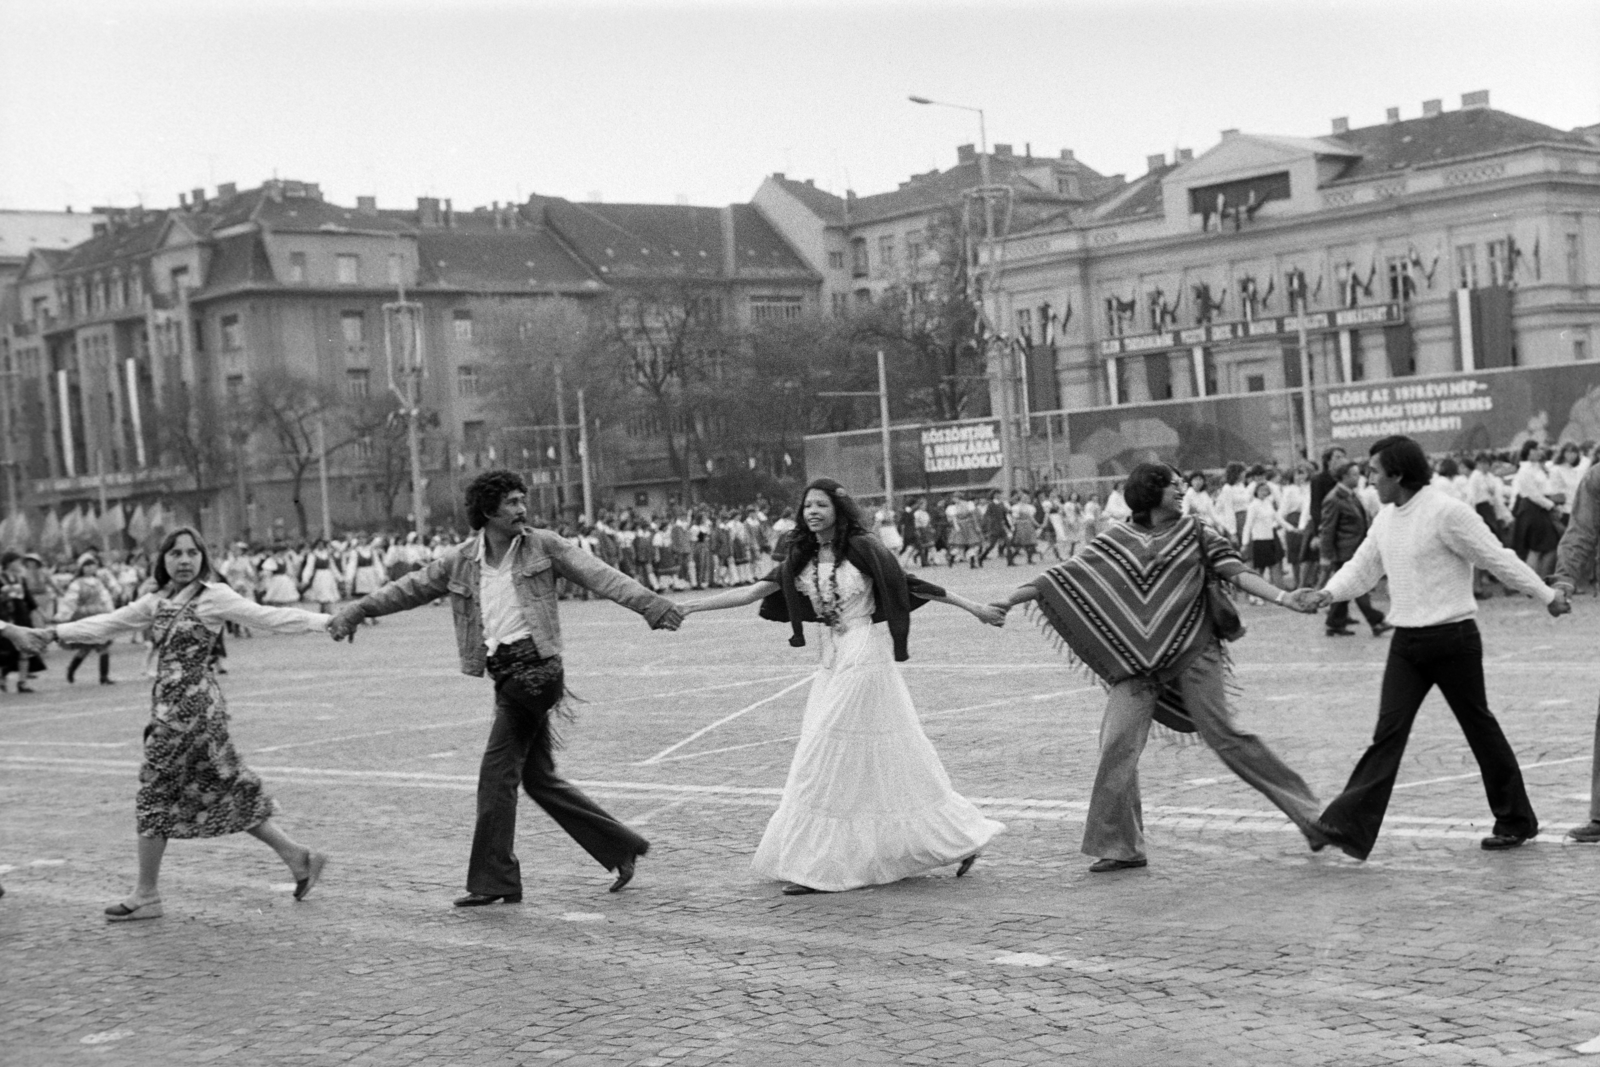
{"x":1428,"y":549}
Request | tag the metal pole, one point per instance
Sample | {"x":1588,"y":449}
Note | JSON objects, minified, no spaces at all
{"x":100,"y":469}
{"x":1307,"y":412}
{"x":414,"y":443}
{"x":583,"y":461}
{"x":322,"y":478}
{"x":883,"y":417}
{"x":561,"y":445}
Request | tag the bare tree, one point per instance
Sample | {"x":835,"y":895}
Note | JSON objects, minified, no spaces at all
{"x":192,"y":432}
{"x":288,"y":407}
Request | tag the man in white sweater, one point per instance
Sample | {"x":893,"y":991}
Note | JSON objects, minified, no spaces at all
{"x":1428,"y":544}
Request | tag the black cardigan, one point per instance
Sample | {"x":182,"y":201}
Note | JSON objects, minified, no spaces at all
{"x":895,"y":594}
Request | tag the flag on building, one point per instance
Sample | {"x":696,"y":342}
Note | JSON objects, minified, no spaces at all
{"x":22,"y":531}
{"x":139,"y":525}
{"x":114,"y":521}
{"x":51,"y":537}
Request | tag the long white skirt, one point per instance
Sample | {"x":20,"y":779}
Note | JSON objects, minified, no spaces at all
{"x":867,"y":801}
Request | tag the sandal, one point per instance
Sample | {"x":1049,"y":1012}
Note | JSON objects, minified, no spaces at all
{"x":121,"y":913}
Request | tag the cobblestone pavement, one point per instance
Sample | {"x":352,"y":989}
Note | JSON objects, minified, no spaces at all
{"x":1236,"y":945}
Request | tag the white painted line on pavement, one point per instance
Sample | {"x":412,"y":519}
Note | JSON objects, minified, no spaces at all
{"x":1032,"y":698}
{"x":722,"y":722}
{"x":72,"y":744}
{"x":729,"y":748}
{"x":1479,"y":774}
{"x":697,"y":689}
{"x":477,"y":719}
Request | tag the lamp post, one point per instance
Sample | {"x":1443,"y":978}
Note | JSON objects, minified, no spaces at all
{"x":1008,"y":431}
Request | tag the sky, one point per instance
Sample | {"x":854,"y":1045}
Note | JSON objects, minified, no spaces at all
{"x":132,"y":101}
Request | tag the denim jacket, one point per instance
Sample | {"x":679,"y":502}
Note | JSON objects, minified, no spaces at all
{"x":541,"y":557}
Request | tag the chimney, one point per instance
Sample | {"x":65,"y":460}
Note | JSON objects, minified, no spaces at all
{"x":227,"y":189}
{"x":1185,"y":155}
{"x":1155,"y":162}
{"x":1472,"y":101}
{"x":1027,"y":150}
{"x":1430,"y":108}
{"x":778,"y":175}
{"x":1229,"y":134}
{"x":730,"y":251}
{"x":183,"y":202}
{"x":850,"y":196}
{"x":1341,"y":125}
{"x":494,"y":207}
{"x":966,"y":153}
{"x":428,"y":211}
{"x":1391,"y":116}
{"x":1002,"y":150}
{"x":274,"y":190}
{"x":197,"y":197}
{"x":449,"y":215}
{"x":366,"y":205}
{"x":812,"y":182}
{"x":1066,"y":155}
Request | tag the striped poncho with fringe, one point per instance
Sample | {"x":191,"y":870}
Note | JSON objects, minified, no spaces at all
{"x":1132,"y":604}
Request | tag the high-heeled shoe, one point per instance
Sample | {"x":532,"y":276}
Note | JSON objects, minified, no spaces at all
{"x":121,"y":913}
{"x":798,"y":890}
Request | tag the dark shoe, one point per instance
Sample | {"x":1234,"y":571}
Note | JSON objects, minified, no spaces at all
{"x":478,"y":900}
{"x":315,"y":861}
{"x":1589,"y":833}
{"x":1501,"y":842}
{"x":1337,"y":838}
{"x":107,"y":681}
{"x":24,"y":687}
{"x":798,"y":890}
{"x":121,"y":913}
{"x":1102,"y":866}
{"x":966,"y":865}
{"x":1382,"y":628}
{"x":624,"y":874}
{"x":1336,"y":632}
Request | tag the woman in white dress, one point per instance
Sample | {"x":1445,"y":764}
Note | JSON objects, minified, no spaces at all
{"x":867,"y":801}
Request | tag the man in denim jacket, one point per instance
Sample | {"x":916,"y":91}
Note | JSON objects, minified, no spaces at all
{"x":502,"y":589}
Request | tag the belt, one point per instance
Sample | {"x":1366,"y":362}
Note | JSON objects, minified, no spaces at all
{"x":511,"y":648}
{"x":1438,"y":628}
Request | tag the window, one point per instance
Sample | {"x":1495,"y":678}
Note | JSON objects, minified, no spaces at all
{"x":394,"y":268}
{"x":357,"y":384}
{"x":466,"y":380}
{"x":353,"y":325}
{"x":234,"y":391}
{"x":863,"y":298}
{"x":1466,"y":266}
{"x":473,"y":438}
{"x":297,"y":268}
{"x":136,"y":288}
{"x":232,"y":336}
{"x":913,"y":248}
{"x":1025,"y":325}
{"x":1580,"y":349}
{"x":836,"y":260}
{"x":776,"y":308}
{"x":1255,"y":383}
{"x":886,"y":252}
{"x":1499,"y":255}
{"x":462,"y":320}
{"x":841,"y":305}
{"x":119,"y":291}
{"x":41,"y":308}
{"x":348,"y":269}
{"x":180,"y":280}
{"x":1574,"y":261}
{"x":94,"y":299}
{"x":858,"y":256}
{"x":363,"y":452}
{"x":1397,"y":271}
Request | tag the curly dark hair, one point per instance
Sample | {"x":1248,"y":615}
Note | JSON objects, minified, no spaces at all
{"x":849,"y":520}
{"x":484,"y":493}
{"x":1144,"y":486}
{"x":1404,"y":458}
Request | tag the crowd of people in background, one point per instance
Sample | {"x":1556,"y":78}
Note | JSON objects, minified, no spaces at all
{"x":1293,"y":525}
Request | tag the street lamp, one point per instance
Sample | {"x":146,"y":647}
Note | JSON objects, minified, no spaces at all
{"x":1008,"y":432}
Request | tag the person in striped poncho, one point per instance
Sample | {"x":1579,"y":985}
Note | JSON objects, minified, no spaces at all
{"x":1132,"y":610}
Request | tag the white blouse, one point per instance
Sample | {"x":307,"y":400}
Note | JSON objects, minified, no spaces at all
{"x":1532,"y":482}
{"x":215,"y":604}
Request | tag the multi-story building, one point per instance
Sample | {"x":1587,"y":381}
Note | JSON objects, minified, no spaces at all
{"x":1456,"y":240}
{"x":862,"y":246}
{"x":141,"y":351}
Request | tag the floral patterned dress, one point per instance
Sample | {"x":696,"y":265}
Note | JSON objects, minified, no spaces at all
{"x":192,"y":783}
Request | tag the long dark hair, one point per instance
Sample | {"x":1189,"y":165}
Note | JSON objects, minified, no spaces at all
{"x":848,"y":521}
{"x":205,"y":574}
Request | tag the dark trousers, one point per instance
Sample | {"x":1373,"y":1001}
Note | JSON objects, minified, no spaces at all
{"x":1339,"y":611}
{"x":1450,"y":657}
{"x":520,"y":750}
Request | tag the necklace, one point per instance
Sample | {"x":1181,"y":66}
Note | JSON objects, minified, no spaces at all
{"x":828,"y":587}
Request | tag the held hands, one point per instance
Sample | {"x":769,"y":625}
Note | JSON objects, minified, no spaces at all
{"x":990,"y":614}
{"x":29,"y":642}
{"x":1562,"y":604}
{"x":673,"y":618}
{"x":1307,"y":601}
{"x":343,"y":626}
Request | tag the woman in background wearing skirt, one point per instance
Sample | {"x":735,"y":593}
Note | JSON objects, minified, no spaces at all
{"x":1534,"y":535}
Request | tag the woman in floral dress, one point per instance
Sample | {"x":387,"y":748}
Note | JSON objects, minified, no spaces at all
{"x":192,"y":783}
